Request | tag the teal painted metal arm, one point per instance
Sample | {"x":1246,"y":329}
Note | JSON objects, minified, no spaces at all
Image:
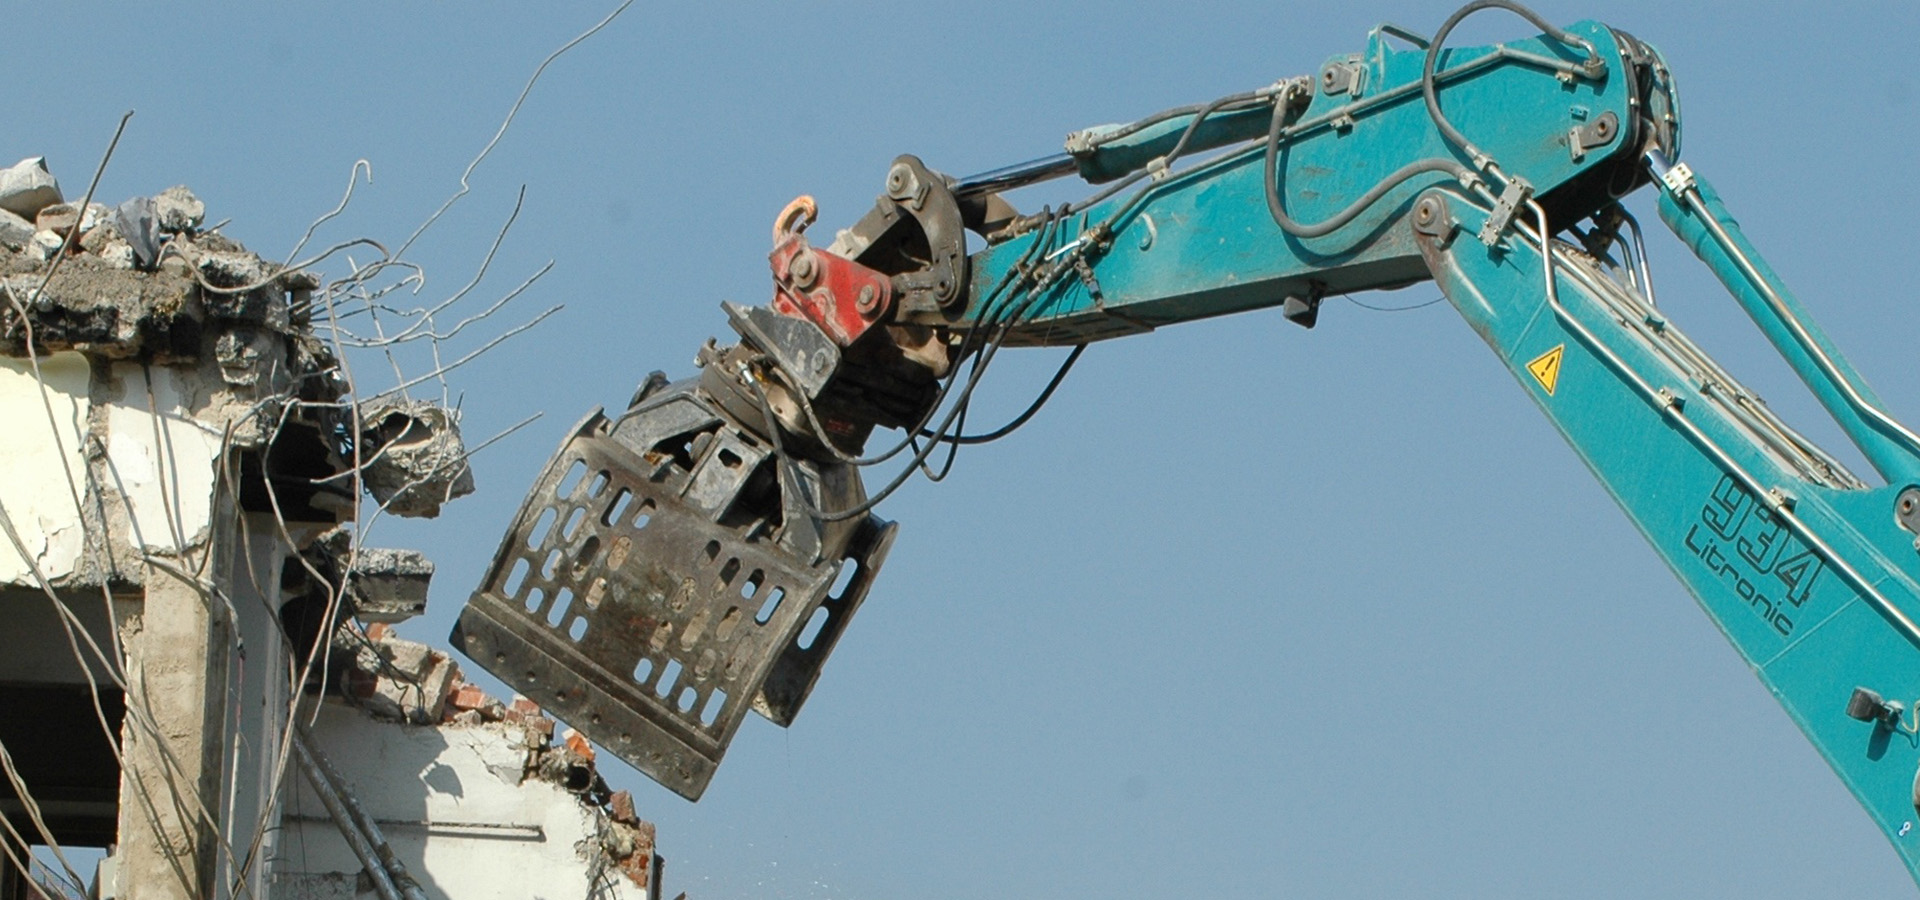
{"x":1805,"y":569}
{"x":1693,"y":210}
{"x":1811,"y":573}
{"x":1177,"y":246}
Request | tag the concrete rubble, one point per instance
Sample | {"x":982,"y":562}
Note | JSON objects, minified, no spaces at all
{"x":418,"y":461}
{"x":27,"y":187}
{"x":381,"y":585}
{"x":204,"y":354}
{"x":185,"y":467}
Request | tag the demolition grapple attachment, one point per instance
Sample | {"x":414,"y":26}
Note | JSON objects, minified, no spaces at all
{"x":664,"y":575}
{"x":702,"y":553}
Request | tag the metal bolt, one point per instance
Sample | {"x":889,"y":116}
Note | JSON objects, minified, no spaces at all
{"x":1907,"y":509}
{"x":867,"y":299}
{"x":900,"y":182}
{"x":802,"y":269}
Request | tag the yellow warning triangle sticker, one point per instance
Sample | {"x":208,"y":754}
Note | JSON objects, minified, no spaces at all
{"x":1546,"y":367}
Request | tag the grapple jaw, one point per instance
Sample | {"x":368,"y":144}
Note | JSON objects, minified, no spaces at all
{"x":665,"y":574}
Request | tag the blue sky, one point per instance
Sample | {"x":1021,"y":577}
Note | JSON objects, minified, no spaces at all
{"x":1249,"y":611}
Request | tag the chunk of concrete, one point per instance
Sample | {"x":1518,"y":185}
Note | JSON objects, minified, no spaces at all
{"x":389,"y":585}
{"x":239,"y":351}
{"x":45,"y":244}
{"x":27,"y":187}
{"x":418,"y":461}
{"x":401,"y":680}
{"x":95,"y":215}
{"x":117,"y":254}
{"x":59,"y":218}
{"x":15,"y":232}
{"x":242,"y":286}
{"x":137,"y":222}
{"x":95,"y":236}
{"x":176,"y":209}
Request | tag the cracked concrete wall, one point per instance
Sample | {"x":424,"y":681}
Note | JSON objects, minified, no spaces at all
{"x":138,"y":445}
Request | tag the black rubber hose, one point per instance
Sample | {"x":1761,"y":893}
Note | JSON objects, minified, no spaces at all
{"x":1136,"y":127}
{"x":1340,"y":219}
{"x":1009,"y":428}
{"x":1429,"y":91}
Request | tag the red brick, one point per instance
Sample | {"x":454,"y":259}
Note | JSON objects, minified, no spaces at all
{"x":378,"y":630}
{"x":468,"y":696}
{"x":621,"y":808}
{"x":638,"y":867}
{"x":577,"y":743}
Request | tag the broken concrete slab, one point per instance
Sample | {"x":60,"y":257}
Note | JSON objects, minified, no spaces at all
{"x":239,"y":285}
{"x":385,"y":586}
{"x":97,"y":302}
{"x":27,"y":187}
{"x":389,"y":585}
{"x":418,"y":461}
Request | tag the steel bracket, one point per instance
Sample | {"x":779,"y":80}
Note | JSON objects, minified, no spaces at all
{"x":1517,"y":192}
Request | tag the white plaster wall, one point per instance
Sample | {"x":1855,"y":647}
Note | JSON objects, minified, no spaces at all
{"x":37,"y":454}
{"x":163,"y":460}
{"x":451,"y":776}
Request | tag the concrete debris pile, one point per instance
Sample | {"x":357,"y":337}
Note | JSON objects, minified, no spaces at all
{"x":143,"y":280}
{"x":139,"y":306}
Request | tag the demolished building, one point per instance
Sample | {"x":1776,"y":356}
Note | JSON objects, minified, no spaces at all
{"x":197,"y":672}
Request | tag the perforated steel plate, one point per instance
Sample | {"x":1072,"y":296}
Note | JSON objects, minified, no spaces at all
{"x":648,"y":623}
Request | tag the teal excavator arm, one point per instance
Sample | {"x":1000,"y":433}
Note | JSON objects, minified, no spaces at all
{"x":700,"y":554}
